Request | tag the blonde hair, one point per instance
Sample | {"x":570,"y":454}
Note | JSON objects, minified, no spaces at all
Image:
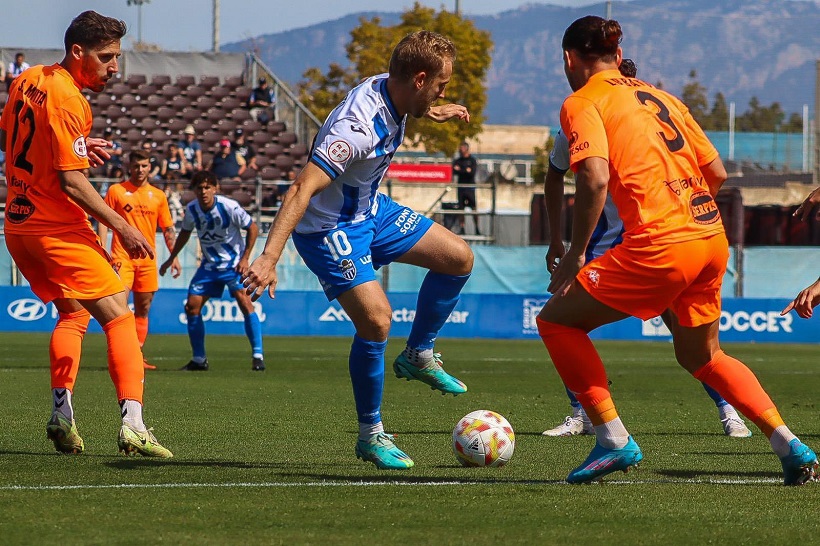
{"x":421,"y":51}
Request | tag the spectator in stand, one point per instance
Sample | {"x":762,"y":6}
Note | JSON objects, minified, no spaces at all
{"x":191,"y":148}
{"x":262,"y":103}
{"x":245,"y":149}
{"x":148,"y":148}
{"x":16,"y":67}
{"x":464,"y":168}
{"x":112,"y":168}
{"x":227,"y":163}
{"x":174,"y":165}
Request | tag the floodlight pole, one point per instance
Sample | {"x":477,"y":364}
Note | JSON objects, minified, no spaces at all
{"x":216,"y":27}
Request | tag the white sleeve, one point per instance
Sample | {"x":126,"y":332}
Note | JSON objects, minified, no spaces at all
{"x":241,"y":217}
{"x":188,"y":220}
{"x":559,"y":156}
{"x":346,"y":141}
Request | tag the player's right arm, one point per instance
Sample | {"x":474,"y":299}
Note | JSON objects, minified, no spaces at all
{"x":553,"y":202}
{"x":184,"y":235}
{"x":80,"y":190}
{"x":262,"y":272}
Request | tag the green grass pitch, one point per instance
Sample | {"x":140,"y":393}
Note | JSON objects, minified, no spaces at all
{"x":267,"y":458}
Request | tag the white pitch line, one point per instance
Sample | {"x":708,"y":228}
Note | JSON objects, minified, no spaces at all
{"x":691,"y":481}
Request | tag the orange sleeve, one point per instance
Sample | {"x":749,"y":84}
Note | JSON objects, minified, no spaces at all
{"x":164,"y":218}
{"x":110,"y":196}
{"x":705,"y":151}
{"x":68,"y":122}
{"x":584,"y":127}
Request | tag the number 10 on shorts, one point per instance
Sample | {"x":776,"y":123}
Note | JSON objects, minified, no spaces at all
{"x":338,"y":244}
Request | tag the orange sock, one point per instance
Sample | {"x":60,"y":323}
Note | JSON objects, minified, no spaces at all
{"x":125,"y":357}
{"x":580,"y":367}
{"x":65,"y":348}
{"x":739,"y":386}
{"x":142,"y":329}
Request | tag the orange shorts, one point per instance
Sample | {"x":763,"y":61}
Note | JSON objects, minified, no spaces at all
{"x":644,"y":281}
{"x":64,"y":265}
{"x":137,"y":275}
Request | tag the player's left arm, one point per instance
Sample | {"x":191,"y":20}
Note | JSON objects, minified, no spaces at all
{"x":252,"y":232}
{"x":446,"y":112}
{"x":170,"y":236}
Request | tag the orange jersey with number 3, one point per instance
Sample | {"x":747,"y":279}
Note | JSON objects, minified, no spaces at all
{"x":144,"y":207}
{"x":655,"y":150}
{"x":46,"y":120}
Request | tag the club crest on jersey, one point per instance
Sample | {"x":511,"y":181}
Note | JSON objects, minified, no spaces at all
{"x":79,"y":146}
{"x":704,"y":209}
{"x":339,"y":151}
{"x":594,"y":277}
{"x":348,"y":269}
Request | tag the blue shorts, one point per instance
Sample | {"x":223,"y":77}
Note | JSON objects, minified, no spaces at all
{"x":212,"y":283}
{"x":348,"y":256}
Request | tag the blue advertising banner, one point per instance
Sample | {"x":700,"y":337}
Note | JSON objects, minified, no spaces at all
{"x":501,"y":316}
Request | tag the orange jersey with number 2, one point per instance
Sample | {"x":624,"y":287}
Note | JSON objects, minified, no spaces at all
{"x":46,"y":120}
{"x":655,"y":150}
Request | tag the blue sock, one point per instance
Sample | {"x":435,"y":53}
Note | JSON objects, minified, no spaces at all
{"x":715,"y":396}
{"x":367,"y":374}
{"x":576,"y":405}
{"x":438,"y":297}
{"x":196,"y":334}
{"x":253,"y":329}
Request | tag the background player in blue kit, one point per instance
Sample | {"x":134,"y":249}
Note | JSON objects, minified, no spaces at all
{"x":344,"y":229}
{"x":219,"y":222}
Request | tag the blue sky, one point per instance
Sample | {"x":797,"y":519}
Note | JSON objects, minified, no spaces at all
{"x":185,"y":25}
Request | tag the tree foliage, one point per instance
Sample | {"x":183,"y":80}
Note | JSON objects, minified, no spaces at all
{"x":694,"y":97}
{"x":542,"y":160}
{"x":757,"y":118}
{"x":369,"y":53}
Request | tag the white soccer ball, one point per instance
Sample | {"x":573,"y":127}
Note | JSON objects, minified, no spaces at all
{"x":483,"y":438}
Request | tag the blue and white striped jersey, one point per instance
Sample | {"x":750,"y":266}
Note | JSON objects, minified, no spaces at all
{"x":219,"y":231}
{"x":354,"y":148}
{"x":610,"y":229}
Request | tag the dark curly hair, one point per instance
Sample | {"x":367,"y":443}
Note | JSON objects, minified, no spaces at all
{"x":593,"y":37}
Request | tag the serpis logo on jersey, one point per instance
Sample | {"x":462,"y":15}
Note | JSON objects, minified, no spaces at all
{"x":26,"y":309}
{"x":19,"y":210}
{"x":704,"y":209}
{"x":348,"y":269}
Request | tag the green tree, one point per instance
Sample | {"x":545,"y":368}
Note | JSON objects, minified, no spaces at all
{"x":719,"y":116}
{"x":694,"y":97}
{"x":542,"y":160}
{"x":794,"y":125}
{"x":759,"y":118}
{"x":369,"y":54}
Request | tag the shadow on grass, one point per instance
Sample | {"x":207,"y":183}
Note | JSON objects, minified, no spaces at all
{"x":705,"y":474}
{"x":131,"y":463}
{"x":395,"y":477}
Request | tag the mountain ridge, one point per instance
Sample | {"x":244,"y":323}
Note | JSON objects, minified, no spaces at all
{"x":762,"y":48}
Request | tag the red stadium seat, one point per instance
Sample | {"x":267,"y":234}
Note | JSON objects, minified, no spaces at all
{"x":276,"y":127}
{"x":286,"y":139}
{"x":119,"y":89}
{"x":270,"y":173}
{"x":233,"y":81}
{"x":194,"y":92}
{"x":219,"y":92}
{"x":185,"y":81}
{"x":208,"y":82}
{"x":135,"y":80}
{"x":240,"y":114}
{"x":160,"y":79}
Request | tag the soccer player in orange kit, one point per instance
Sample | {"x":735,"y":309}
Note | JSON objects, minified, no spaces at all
{"x":642,"y":145}
{"x":145,"y":207}
{"x":44,"y":131}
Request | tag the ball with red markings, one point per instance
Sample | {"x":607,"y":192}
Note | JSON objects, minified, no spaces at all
{"x":483,"y":438}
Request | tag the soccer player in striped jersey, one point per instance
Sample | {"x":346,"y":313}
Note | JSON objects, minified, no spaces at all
{"x":219,"y":222}
{"x":608,"y":233}
{"x":345,"y":229}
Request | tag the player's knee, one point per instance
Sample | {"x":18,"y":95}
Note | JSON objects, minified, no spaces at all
{"x":191,"y":309}
{"x":377,"y":327}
